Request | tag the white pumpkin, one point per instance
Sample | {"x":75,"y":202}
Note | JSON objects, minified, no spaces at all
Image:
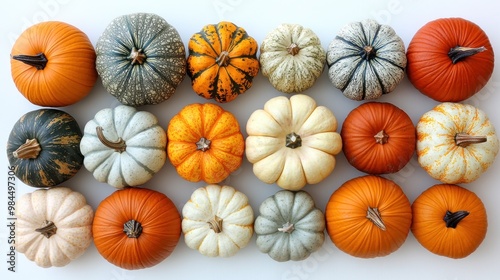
{"x":456,"y":143}
{"x":289,"y":226}
{"x":53,"y":226}
{"x":292,"y":142}
{"x":123,"y":146}
{"x":292,"y":57}
{"x":217,"y":221}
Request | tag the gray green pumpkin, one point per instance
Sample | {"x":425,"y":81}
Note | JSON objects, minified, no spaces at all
{"x":44,"y":148}
{"x":141,"y":59}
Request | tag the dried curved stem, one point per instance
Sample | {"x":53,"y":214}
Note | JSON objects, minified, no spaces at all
{"x":38,"y":61}
{"x":374,"y":216}
{"x":30,"y":149}
{"x":464,"y":139}
{"x":47,"y":229}
{"x":216,"y":224}
{"x":118,"y":145}
{"x":458,"y":53}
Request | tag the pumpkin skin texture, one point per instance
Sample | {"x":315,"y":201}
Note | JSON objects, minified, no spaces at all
{"x":205,"y":143}
{"x":292,"y":142}
{"x":53,"y":64}
{"x":44,"y":148}
{"x":222,"y":61}
{"x":123,"y":146}
{"x":217,"y":221}
{"x":366,"y":60}
{"x":136,"y":228}
{"x":378,"y":138}
{"x":289,"y":226}
{"x":449,"y":220}
{"x":433,"y":50}
{"x":53,"y":226}
{"x":368,"y":217}
{"x":292,"y":57}
{"x":141,"y":59}
{"x":456,"y":143}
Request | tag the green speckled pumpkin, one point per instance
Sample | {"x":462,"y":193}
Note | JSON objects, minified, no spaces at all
{"x":44,"y":148}
{"x":141,"y":59}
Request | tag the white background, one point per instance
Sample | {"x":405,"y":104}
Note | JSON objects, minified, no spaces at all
{"x":258,"y":17}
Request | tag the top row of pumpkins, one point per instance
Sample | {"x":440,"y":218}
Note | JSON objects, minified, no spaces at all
{"x":141,"y":60}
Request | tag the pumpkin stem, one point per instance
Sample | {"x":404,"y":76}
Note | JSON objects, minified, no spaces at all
{"x":293,"y":49}
{"x":368,"y":52}
{"x":132,"y":228}
{"x":119,"y":145}
{"x":381,"y":137}
{"x":215,"y":224}
{"x":458,"y":53}
{"x":374,"y":216}
{"x":137,"y":56}
{"x":293,"y":140}
{"x":223,"y":59}
{"x":38,"y":61}
{"x":30,"y":149}
{"x":47,"y":229}
{"x":203,"y":144}
{"x":287,"y":228}
{"x":453,"y":218}
{"x":463,"y":139}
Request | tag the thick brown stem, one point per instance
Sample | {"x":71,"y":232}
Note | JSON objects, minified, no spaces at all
{"x":287,"y":228}
{"x":464,"y":139}
{"x":293,"y":140}
{"x":30,"y":149}
{"x":381,"y":137}
{"x":293,"y":49}
{"x":118,"y":145}
{"x":132,"y":228}
{"x":38,"y":61}
{"x":458,"y":53}
{"x":223,"y":59}
{"x":216,"y":224}
{"x":137,"y":56}
{"x":47,"y":229}
{"x":374,"y":216}
{"x":453,"y":218}
{"x":203,"y":144}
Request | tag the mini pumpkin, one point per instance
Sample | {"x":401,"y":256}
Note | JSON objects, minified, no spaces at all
{"x":53,"y":64}
{"x":217,"y":221}
{"x":205,"y":143}
{"x":222,"y":61}
{"x":449,"y":220}
{"x":366,"y":60}
{"x":136,"y":228}
{"x":368,"y":217}
{"x":123,"y":146}
{"x":450,"y":59}
{"x":456,"y":143}
{"x":292,"y":57}
{"x":378,"y":138}
{"x":44,"y":148}
{"x":53,"y":226}
{"x":141,"y":59}
{"x":289,"y":226}
{"x":292,"y":142}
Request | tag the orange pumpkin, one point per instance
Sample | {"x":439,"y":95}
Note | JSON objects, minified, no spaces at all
{"x":53,"y":64}
{"x":222,"y":61}
{"x":205,"y":143}
{"x":449,"y":220}
{"x":368,"y":217}
{"x":378,"y":138}
{"x":450,"y":59}
{"x":136,"y":228}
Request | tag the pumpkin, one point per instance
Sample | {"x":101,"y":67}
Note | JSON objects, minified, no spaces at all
{"x":378,"y":138}
{"x":366,"y":60}
{"x":123,"y":146}
{"x":368,"y":216}
{"x":289,"y":226}
{"x":456,"y":143}
{"x":292,"y":142}
{"x":450,"y":59}
{"x":292,"y":57}
{"x":44,"y":148}
{"x":205,"y":143}
{"x":141,"y":59}
{"x":222,"y":61}
{"x":217,"y":221}
{"x":53,"y":226}
{"x":449,"y":220}
{"x":53,"y":64}
{"x":136,"y":228}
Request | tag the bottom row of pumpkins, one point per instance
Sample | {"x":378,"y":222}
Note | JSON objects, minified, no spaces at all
{"x":136,"y":228}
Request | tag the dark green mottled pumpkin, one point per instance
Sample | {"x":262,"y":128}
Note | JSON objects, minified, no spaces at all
{"x":141,"y":59}
{"x":44,"y":148}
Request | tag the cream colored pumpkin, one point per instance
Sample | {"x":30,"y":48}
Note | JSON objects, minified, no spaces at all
{"x":456,"y":142}
{"x":292,"y":57}
{"x":123,"y":146}
{"x":217,"y":221}
{"x":53,"y":226}
{"x":292,"y":142}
